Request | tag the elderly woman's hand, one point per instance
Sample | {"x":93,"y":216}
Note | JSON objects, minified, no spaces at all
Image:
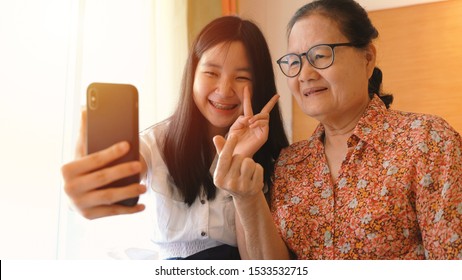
{"x":239,"y":175}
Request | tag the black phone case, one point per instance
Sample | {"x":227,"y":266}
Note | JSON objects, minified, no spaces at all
{"x":112,"y":117}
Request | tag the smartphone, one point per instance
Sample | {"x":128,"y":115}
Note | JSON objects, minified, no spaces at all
{"x":112,"y":117}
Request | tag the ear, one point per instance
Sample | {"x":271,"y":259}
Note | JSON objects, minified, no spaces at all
{"x":370,"y":54}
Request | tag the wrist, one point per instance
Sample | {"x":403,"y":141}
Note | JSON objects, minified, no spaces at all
{"x":249,"y":201}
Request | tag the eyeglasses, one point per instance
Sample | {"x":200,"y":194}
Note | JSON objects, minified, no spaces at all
{"x":320,"y":57}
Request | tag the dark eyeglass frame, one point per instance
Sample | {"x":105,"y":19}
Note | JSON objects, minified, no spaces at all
{"x":305,"y":54}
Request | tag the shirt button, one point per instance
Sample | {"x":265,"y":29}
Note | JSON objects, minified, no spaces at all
{"x":203,"y":233}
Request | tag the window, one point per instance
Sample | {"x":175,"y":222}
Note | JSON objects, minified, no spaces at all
{"x":50,"y":51}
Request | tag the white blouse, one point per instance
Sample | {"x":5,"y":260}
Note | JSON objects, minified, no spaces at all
{"x":180,"y":230}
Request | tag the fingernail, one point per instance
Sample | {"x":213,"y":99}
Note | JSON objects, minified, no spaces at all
{"x":123,"y":146}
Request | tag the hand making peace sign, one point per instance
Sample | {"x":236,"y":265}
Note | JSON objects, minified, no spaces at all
{"x":250,"y":131}
{"x":236,"y":171}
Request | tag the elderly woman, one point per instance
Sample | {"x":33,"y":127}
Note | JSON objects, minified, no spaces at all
{"x":371,"y":182}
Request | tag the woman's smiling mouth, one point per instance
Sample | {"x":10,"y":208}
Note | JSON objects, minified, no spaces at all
{"x":310,"y":91}
{"x":222,"y":106}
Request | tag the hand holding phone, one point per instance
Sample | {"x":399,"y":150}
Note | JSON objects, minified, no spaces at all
{"x":112,"y":117}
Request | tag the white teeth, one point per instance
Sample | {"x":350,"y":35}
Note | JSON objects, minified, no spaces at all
{"x":222,"y":106}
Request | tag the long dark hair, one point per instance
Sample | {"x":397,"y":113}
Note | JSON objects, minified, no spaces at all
{"x":187,"y":150}
{"x":355,"y":24}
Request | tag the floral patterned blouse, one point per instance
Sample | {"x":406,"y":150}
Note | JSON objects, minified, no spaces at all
{"x":398,"y":194}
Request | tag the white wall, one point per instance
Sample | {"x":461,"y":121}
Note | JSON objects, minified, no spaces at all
{"x":372,"y":5}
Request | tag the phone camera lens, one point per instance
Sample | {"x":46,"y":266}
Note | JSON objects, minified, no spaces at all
{"x":93,"y":100}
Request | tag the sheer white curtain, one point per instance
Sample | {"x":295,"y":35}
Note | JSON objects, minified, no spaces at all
{"x":142,"y":43}
{"x":50,"y":51}
{"x":34,"y":49}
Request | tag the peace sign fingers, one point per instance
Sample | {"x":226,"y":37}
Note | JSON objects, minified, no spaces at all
{"x":270,"y":105}
{"x":248,"y":112}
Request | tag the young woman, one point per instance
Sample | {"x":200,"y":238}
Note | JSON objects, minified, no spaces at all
{"x":227,"y":77}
